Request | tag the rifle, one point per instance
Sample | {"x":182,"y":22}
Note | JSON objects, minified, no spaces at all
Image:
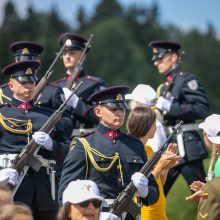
{"x":78,"y":67}
{"x":44,"y":80}
{"x":123,"y":203}
{"x":27,"y":157}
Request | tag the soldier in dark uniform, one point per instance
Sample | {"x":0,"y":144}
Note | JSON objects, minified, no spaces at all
{"x":20,"y":120}
{"x":181,"y":97}
{"x":27,"y":50}
{"x":107,"y":156}
{"x":81,"y":113}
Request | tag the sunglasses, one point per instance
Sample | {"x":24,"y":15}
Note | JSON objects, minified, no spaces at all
{"x":95,"y":202}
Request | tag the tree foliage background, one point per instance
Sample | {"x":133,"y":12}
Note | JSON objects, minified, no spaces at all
{"x":119,"y":52}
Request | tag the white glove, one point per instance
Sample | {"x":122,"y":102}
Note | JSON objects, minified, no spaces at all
{"x":43,"y":139}
{"x":141,"y":183}
{"x":73,"y":100}
{"x":164,"y":104}
{"x":107,"y":216}
{"x":8,"y":175}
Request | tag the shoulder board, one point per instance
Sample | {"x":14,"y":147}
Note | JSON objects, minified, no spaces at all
{"x":93,"y":78}
{"x":183,"y":74}
{"x":4,"y":85}
{"x":87,"y":134}
{"x":52,"y":84}
{"x":58,"y":81}
{"x":4,"y":104}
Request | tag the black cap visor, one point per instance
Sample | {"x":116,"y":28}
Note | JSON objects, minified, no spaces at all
{"x":25,"y":79}
{"x":121,"y":105}
{"x":25,"y":58}
{"x":159,"y":55}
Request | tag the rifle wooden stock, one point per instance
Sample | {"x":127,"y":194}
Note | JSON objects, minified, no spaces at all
{"x":78,"y":67}
{"x":23,"y":159}
{"x":124,"y":200}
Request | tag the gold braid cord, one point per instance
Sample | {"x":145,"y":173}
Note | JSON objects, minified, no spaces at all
{"x":12,"y":121}
{"x":89,"y":153}
{"x":3,"y":96}
{"x":159,"y":89}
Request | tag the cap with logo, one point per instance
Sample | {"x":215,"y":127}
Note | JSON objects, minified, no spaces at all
{"x":72,"y":42}
{"x":23,"y":71}
{"x":211,"y":126}
{"x":112,"y":97}
{"x":144,"y":94}
{"x":26,"y":50}
{"x":81,"y":190}
{"x":160,"y":48}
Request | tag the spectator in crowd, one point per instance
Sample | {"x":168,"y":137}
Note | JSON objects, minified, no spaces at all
{"x":208,"y":193}
{"x":144,"y":95}
{"x":5,"y":196}
{"x":141,"y":123}
{"x":15,"y":212}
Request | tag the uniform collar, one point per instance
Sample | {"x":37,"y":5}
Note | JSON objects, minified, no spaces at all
{"x":68,"y":75}
{"x":21,"y":104}
{"x":171,"y":73}
{"x":108,"y":132}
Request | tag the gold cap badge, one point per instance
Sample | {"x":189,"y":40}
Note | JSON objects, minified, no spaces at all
{"x":68,"y":42}
{"x":155,"y":50}
{"x":119,"y":97}
{"x":29,"y":71}
{"x":25,"y":51}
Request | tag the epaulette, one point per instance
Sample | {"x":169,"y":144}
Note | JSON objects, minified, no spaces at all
{"x":93,"y":78}
{"x":4,"y":85}
{"x":87,"y":134}
{"x":53,"y":84}
{"x":183,"y":74}
{"x":4,"y":104}
{"x":58,"y":81}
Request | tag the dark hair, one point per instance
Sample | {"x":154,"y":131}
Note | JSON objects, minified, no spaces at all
{"x":64,"y":212}
{"x":140,"y":120}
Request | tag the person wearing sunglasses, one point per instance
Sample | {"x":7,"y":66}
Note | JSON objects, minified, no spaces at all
{"x":82,"y":201}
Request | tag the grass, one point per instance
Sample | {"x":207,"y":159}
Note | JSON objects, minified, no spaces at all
{"x":177,"y":207}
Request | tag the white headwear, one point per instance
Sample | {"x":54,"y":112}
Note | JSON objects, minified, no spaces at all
{"x":81,"y":190}
{"x":144,"y":94}
{"x":211,"y":126}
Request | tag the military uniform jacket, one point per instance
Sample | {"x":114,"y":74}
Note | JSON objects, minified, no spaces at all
{"x":189,"y":104}
{"x":107,"y":142}
{"x":209,"y":204}
{"x":51,"y":96}
{"x":34,"y":183}
{"x":83,"y":115}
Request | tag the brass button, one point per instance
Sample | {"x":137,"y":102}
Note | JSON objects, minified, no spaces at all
{"x":102,"y":158}
{"x":119,"y":179}
{"x":118,"y":167}
{"x":135,"y":161}
{"x":113,"y":141}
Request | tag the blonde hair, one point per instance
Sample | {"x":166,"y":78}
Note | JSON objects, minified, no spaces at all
{"x":5,"y":196}
{"x":8,"y":212}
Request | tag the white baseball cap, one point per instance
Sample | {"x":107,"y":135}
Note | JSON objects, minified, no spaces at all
{"x":211,"y":126}
{"x":81,"y":190}
{"x":144,"y":94}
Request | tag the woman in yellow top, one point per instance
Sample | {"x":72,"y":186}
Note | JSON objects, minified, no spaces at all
{"x":141,"y":123}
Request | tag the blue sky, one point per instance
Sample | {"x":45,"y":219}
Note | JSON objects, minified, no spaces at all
{"x":184,"y":13}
